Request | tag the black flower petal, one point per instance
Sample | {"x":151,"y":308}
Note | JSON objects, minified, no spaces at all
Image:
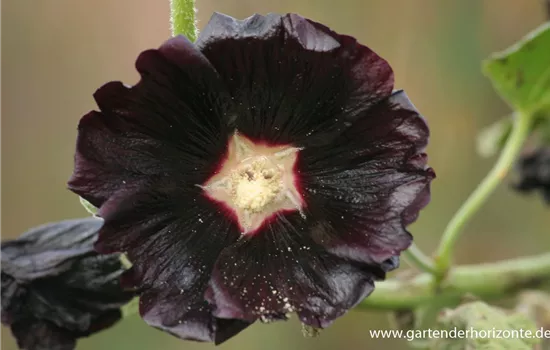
{"x":370,"y":183}
{"x":173,"y":245}
{"x":362,"y":191}
{"x":283,"y":271}
{"x":55,"y":288}
{"x":170,"y":125}
{"x":534,"y":172}
{"x":148,"y":157}
{"x":293,"y":80}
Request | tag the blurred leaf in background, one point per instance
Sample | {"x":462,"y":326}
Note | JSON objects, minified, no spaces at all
{"x":521,"y":74}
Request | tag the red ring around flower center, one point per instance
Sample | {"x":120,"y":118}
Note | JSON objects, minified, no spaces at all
{"x":256,"y":181}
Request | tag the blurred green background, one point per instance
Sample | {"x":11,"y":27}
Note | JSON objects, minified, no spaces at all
{"x":55,"y":53}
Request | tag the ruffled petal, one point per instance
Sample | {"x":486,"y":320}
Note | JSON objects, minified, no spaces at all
{"x":186,"y":316}
{"x":282,"y":270}
{"x":56,"y":288}
{"x":370,"y":184}
{"x":171,"y":123}
{"x":50,"y":249}
{"x":293,"y":80}
{"x":74,"y":308}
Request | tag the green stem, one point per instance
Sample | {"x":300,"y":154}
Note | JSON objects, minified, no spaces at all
{"x":487,"y":281}
{"x":182,"y":18}
{"x":520,"y":131}
{"x":416,"y":258}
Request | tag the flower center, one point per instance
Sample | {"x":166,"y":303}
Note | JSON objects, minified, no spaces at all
{"x":256,"y":184}
{"x":255,"y":181}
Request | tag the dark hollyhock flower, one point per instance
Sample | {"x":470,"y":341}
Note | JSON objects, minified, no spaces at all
{"x":265,"y":170}
{"x":534,"y":172}
{"x":56,"y":288}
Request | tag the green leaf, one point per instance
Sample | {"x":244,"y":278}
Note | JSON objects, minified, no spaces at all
{"x":88,"y":206}
{"x":521,"y":74}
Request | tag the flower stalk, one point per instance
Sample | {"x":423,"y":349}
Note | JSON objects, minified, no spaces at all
{"x":487,"y":281}
{"x":182,"y":18}
{"x":445,"y":251}
{"x":416,"y":258}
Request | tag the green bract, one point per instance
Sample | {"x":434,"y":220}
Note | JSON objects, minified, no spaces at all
{"x":88,"y":206}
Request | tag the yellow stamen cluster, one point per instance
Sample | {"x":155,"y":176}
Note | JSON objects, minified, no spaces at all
{"x":256,"y":181}
{"x":256,"y":185}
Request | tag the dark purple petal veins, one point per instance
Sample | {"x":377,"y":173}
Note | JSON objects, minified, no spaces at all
{"x":282,"y":270}
{"x":360,"y":192}
{"x":173,"y":236}
{"x":151,"y":144}
{"x":170,"y":124}
{"x":370,"y":183}
{"x":293,"y":80}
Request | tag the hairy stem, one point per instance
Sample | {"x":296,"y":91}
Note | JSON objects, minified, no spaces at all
{"x":519,"y":133}
{"x":182,"y":18}
{"x":487,"y":281}
{"x":416,"y":258}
